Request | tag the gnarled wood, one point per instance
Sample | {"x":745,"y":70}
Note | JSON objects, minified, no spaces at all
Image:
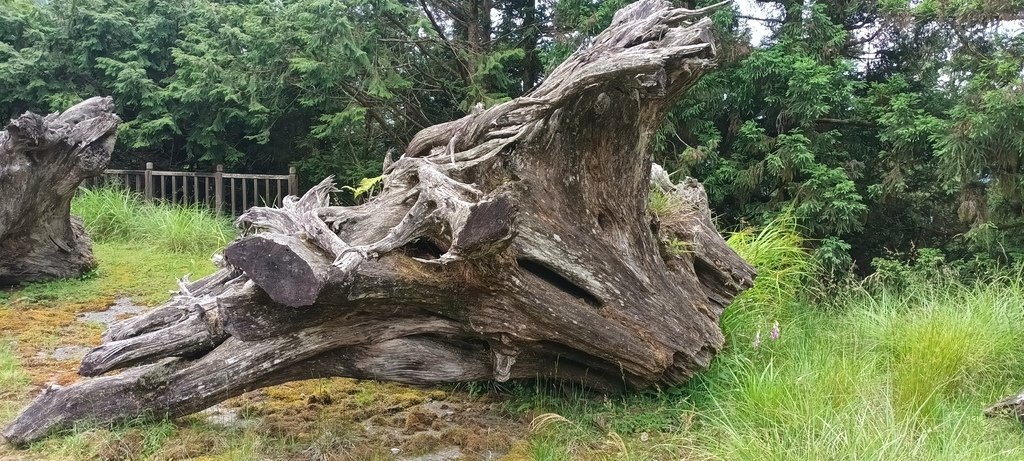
{"x":42,"y":162}
{"x":515,"y":242}
{"x":1011,"y":406}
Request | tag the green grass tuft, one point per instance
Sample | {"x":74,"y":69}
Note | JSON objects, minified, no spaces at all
{"x":876,"y":377}
{"x":116,"y":215}
{"x":13,"y":380}
{"x":109,"y":214}
{"x":784,"y":269}
{"x":135,"y":439}
{"x":661,"y":205}
{"x":12,"y":377}
{"x":185,"y":229}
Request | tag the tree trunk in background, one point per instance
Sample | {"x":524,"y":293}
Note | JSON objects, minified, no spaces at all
{"x":515,"y":242}
{"x":532,"y":67}
{"x":42,"y":162}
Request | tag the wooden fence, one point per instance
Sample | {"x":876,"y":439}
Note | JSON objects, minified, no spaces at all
{"x":217,"y":190}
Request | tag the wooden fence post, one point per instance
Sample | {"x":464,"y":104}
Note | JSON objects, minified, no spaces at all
{"x":293,"y":182}
{"x":146,"y":185}
{"x":149,"y":181}
{"x":218,"y":189}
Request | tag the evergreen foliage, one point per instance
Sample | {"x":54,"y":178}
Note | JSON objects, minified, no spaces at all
{"x":883,"y":125}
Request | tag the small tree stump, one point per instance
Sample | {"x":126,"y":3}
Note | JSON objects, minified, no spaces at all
{"x":42,"y":162}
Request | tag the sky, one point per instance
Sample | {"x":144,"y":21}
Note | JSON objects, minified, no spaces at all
{"x":758,"y":29}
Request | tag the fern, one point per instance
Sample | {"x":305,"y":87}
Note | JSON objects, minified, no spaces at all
{"x":367,"y":187}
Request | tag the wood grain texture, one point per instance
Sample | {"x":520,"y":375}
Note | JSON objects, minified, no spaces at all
{"x":515,"y":242}
{"x":42,"y":162}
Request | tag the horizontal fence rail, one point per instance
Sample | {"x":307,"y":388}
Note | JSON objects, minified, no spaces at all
{"x":219,"y":191}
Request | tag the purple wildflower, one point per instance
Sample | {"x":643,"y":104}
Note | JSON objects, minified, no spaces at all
{"x":775,"y":331}
{"x":757,"y":339}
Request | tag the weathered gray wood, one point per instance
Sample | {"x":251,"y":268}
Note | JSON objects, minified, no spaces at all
{"x":515,"y":242}
{"x":194,"y":334}
{"x":1011,"y":406}
{"x":42,"y":162}
{"x":291,"y":272}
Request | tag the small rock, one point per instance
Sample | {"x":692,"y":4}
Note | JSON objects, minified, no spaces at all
{"x":121,"y":307}
{"x":220,"y":415}
{"x":395,"y":450}
{"x":69,"y":353}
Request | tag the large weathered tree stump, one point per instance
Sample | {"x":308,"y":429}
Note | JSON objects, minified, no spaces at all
{"x":42,"y":162}
{"x":515,"y":242}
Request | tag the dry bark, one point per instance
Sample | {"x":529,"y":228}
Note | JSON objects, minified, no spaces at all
{"x":1011,"y":406}
{"x":515,"y":242}
{"x":42,"y":162}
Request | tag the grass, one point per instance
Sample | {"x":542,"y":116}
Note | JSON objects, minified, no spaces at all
{"x":37,"y":317}
{"x":866,"y":374}
{"x":784,"y":272}
{"x":13,"y":380}
{"x":873,"y":377}
{"x":11,"y":374}
{"x":114,"y":215}
{"x":123,"y":269}
{"x":131,"y":440}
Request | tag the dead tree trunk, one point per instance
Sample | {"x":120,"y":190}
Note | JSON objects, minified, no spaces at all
{"x":515,"y":242}
{"x":42,"y":162}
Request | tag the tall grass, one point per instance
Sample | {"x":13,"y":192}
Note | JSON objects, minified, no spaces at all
{"x":870,"y":374}
{"x":878,"y":374}
{"x":876,"y":377}
{"x":784,"y":270}
{"x":116,"y":215}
